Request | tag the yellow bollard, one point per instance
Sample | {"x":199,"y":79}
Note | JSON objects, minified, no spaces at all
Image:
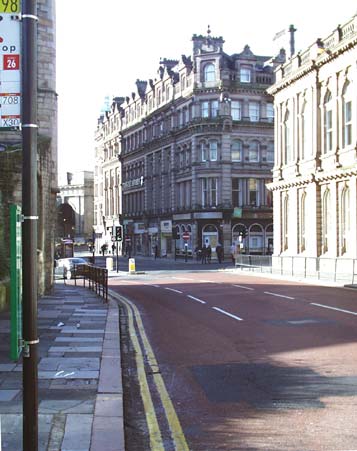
{"x":131,"y":265}
{"x":109,"y":263}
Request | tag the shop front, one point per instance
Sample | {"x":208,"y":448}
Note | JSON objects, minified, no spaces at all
{"x":166,"y":238}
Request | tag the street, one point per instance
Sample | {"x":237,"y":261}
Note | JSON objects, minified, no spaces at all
{"x":248,"y":363}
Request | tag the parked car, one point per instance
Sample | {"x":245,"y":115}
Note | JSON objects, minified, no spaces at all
{"x":65,"y":266}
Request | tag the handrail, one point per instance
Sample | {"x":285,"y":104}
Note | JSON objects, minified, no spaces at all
{"x":342,"y":270}
{"x":97,"y":278}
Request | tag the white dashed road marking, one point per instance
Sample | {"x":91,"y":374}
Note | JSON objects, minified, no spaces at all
{"x":227,"y":313}
{"x":278,"y":295}
{"x":196,"y":299}
{"x":175,"y":291}
{"x":334,"y":308}
{"x":245,"y":288}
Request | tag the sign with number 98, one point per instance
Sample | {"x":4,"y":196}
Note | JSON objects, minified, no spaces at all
{"x":10,"y":6}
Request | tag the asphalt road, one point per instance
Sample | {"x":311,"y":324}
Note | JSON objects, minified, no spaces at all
{"x":248,"y":363}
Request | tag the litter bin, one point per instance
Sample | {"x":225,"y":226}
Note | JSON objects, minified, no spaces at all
{"x":131,"y":265}
{"x":109,"y":263}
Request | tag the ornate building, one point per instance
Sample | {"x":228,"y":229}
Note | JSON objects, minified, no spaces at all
{"x":190,"y":153}
{"x":315,"y":171}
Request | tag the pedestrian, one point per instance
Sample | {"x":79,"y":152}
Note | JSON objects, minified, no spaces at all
{"x":103,"y":249}
{"x":156,"y":251}
{"x":209,"y":253}
{"x":219,"y":252}
{"x":204,"y":255}
{"x":113,"y":248}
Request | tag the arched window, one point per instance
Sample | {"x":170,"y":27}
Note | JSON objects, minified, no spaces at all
{"x":254,"y":151}
{"x":328,"y":132}
{"x":209,"y":73}
{"x":347,"y":115}
{"x":285,"y":223}
{"x":306,"y":144}
{"x":287,"y":138}
{"x":239,"y":233}
{"x":345,"y":219}
{"x":302,"y":237}
{"x":204,"y":151}
{"x":326,"y":202}
{"x":236,"y":150}
{"x":256,"y":239}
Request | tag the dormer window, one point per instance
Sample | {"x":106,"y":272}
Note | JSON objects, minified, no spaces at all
{"x":245,"y":74}
{"x":209,"y":72}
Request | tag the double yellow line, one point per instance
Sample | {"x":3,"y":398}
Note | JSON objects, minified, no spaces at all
{"x":156,"y":442}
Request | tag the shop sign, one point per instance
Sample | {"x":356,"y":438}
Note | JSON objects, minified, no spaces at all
{"x":166,"y":226}
{"x":237,"y":212}
{"x":208,"y":215}
{"x":139,"y":227}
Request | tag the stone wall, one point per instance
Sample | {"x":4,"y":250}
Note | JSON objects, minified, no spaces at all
{"x":11,"y":161}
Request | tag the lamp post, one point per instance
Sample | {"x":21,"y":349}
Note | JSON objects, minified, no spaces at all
{"x":29,"y":227}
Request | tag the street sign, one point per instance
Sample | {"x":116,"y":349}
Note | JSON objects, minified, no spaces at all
{"x":10,"y":65}
{"x":10,"y":6}
{"x":186,"y":236}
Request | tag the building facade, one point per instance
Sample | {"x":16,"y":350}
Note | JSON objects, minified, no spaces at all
{"x":315,"y":171}
{"x":190,"y":154}
{"x":11,"y":160}
{"x":75,"y":202}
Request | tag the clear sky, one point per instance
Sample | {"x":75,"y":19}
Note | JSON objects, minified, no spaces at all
{"x":104,"y":46}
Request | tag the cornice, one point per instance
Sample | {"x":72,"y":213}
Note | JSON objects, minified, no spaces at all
{"x":318,"y":177}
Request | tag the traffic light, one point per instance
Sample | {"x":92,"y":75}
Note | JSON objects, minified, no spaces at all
{"x":118,"y":233}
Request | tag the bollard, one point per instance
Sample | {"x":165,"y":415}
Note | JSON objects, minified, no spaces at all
{"x":131,"y":265}
{"x":109,"y":264}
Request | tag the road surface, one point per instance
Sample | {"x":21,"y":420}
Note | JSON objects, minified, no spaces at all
{"x":248,"y":363}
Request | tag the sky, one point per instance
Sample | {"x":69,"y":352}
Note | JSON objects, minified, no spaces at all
{"x":103,"y":47}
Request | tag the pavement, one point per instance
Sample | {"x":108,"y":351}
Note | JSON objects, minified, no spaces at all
{"x":79,"y":375}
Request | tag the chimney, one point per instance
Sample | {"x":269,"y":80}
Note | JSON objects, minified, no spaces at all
{"x":292,"y":30}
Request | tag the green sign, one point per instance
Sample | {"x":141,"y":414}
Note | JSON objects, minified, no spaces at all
{"x":237,"y":212}
{"x":16,"y":282}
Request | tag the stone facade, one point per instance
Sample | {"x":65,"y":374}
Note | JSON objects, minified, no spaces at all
{"x":315,"y":172}
{"x":190,"y":153}
{"x":11,"y":161}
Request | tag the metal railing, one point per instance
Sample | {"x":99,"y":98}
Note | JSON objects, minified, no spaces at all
{"x":97,"y":278}
{"x":338,"y":270}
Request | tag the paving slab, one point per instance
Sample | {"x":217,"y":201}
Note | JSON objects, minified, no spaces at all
{"x":109,"y":405}
{"x":74,"y":406}
{"x":69,"y":363}
{"x":77,"y":433}
{"x":8,"y":395}
{"x":71,"y":329}
{"x":78,"y":349}
{"x":74,"y":412}
{"x":107,"y":434}
{"x":68,"y":374}
{"x":79,"y":340}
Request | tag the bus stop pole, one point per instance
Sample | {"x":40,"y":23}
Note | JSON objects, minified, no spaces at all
{"x":29,"y":226}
